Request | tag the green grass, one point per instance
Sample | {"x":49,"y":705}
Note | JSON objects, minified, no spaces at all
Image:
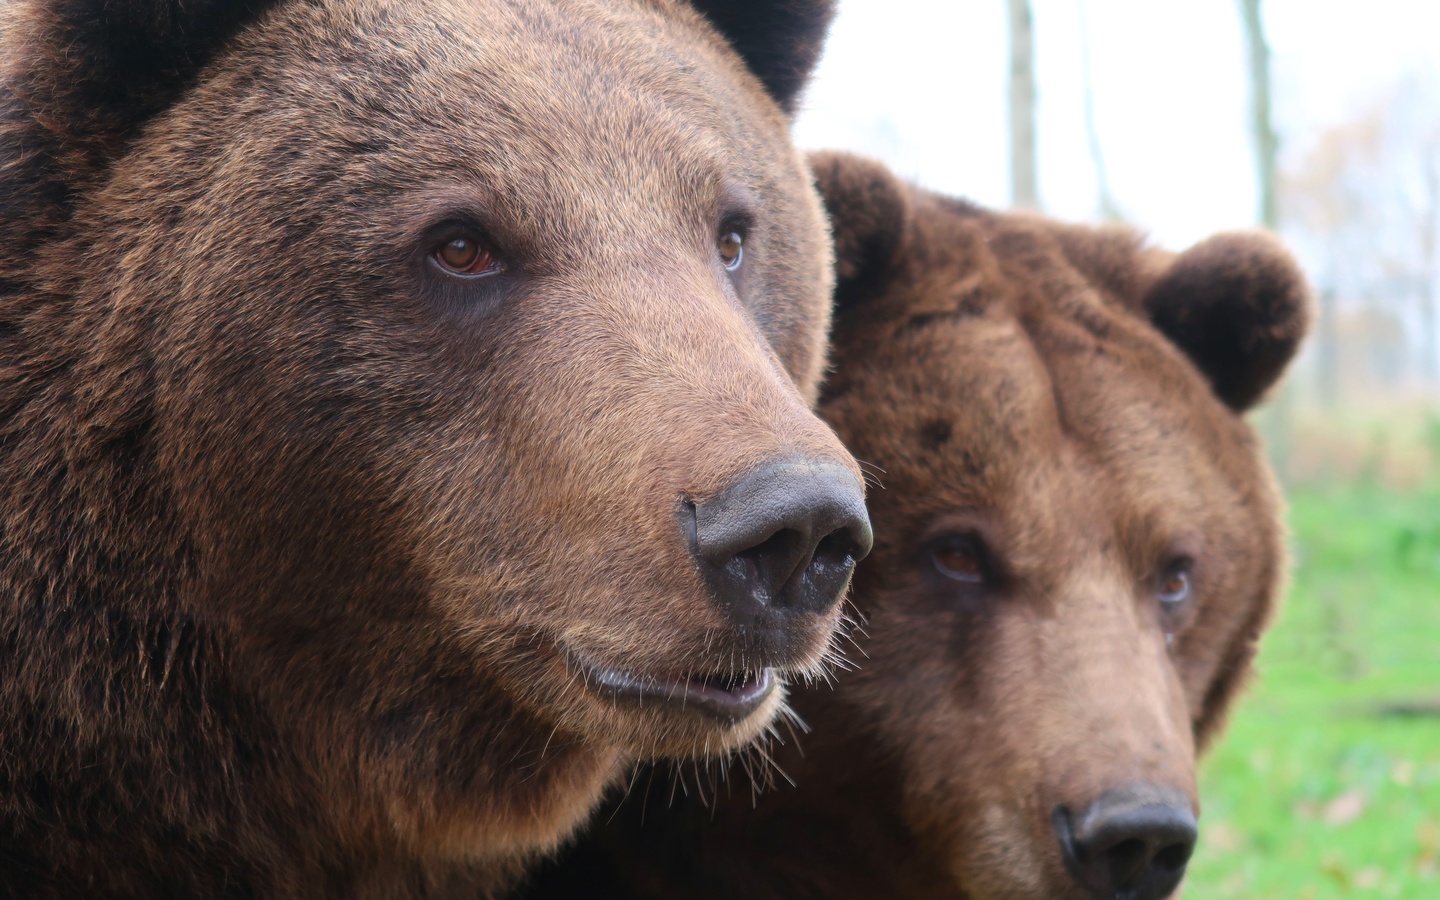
{"x":1327,"y":783}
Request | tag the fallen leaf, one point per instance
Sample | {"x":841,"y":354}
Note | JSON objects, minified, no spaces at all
{"x":1333,"y":867}
{"x":1345,"y":808}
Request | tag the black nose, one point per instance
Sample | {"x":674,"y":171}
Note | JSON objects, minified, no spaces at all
{"x":1131,"y":844}
{"x":784,"y":538}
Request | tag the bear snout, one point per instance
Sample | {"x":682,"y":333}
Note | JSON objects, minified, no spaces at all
{"x":781,"y":543}
{"x":1133,"y":841}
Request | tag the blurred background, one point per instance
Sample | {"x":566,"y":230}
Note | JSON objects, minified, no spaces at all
{"x":1319,"y":119}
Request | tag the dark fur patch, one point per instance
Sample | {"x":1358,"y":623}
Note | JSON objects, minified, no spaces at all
{"x":935,"y":433}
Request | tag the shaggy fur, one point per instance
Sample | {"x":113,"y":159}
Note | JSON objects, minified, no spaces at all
{"x":300,"y":534}
{"x":1063,"y":401}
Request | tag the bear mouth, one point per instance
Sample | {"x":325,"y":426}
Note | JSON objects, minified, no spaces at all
{"x":727,"y":696}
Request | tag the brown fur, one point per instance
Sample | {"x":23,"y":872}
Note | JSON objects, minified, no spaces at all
{"x":297,"y":531}
{"x":1012,"y":381}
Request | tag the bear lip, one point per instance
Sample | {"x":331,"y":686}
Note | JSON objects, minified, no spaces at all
{"x":729,"y":696}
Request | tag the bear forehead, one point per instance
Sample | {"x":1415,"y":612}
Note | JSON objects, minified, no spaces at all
{"x":523,"y":45}
{"x":564,"y":103}
{"x":1045,"y":406}
{"x":990,"y":306}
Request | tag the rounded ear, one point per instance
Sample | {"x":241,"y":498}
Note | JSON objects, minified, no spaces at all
{"x":780,"y":40}
{"x":869,"y":211}
{"x":1238,"y":306}
{"x":79,"y":78}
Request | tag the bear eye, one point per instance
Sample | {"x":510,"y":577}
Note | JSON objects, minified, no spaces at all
{"x":731,"y":245}
{"x":1175,"y":586}
{"x":465,"y":255}
{"x":959,"y":558}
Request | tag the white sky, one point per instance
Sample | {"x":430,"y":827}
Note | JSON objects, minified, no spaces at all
{"x":922,"y":85}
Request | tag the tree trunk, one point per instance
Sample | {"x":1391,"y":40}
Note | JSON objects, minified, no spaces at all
{"x":1023,"y":183}
{"x":1266,"y":143}
{"x":1109,"y":209}
{"x":1327,"y":351}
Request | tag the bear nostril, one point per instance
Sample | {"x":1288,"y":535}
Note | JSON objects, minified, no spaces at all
{"x":1134,"y":842}
{"x":1175,"y":857}
{"x":832,"y":562}
{"x":839,"y":548}
{"x":769,"y":564}
{"x":1126,"y":860}
{"x":783,"y":539}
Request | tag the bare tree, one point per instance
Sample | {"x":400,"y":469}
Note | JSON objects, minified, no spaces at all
{"x":1109,"y":209}
{"x":1364,"y":201}
{"x":1023,"y":183}
{"x":1267,"y":145}
{"x":1332,"y":208}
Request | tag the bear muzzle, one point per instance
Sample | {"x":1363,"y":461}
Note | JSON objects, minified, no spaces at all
{"x":776,"y":550}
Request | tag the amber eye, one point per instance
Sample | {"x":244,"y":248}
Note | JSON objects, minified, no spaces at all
{"x":1174,"y":588}
{"x":959,"y":559}
{"x":732,"y":249}
{"x":465,"y":255}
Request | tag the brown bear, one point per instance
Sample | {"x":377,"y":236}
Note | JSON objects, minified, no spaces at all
{"x":404,"y":427}
{"x":1078,"y":543}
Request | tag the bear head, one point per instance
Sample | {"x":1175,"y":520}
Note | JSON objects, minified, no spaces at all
{"x":404,"y":419}
{"x":1078,"y":538}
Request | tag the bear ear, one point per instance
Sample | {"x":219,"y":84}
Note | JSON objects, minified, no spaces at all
{"x":1238,"y":306}
{"x":869,"y":210}
{"x":79,"y":77}
{"x":780,"y":40}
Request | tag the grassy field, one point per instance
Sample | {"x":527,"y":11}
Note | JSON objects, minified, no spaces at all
{"x":1327,"y":783}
